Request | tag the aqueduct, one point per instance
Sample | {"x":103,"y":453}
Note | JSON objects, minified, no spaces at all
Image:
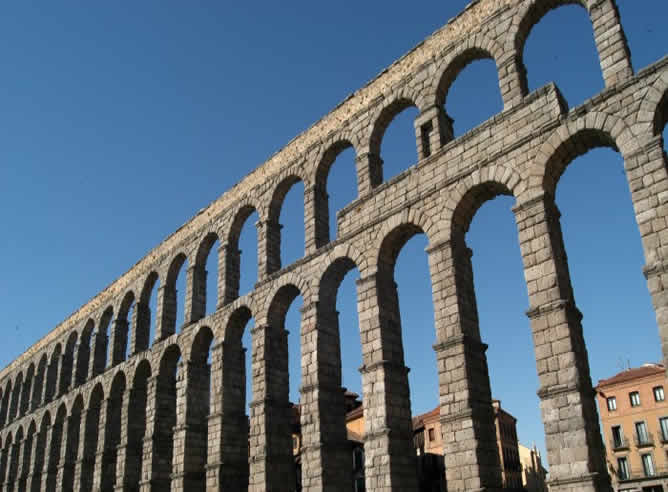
{"x":97,"y":404}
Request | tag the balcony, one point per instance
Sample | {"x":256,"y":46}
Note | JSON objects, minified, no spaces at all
{"x":639,"y":474}
{"x":620,"y":444}
{"x":644,"y":440}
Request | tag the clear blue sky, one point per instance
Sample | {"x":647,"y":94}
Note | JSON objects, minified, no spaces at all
{"x":120,"y":120}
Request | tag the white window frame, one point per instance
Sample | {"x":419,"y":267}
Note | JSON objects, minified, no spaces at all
{"x":611,"y":402}
{"x":634,"y":398}
{"x":648,"y":464}
{"x":659,"y":395}
{"x":626,"y":475}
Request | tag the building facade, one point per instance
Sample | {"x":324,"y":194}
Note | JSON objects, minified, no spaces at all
{"x":534,"y":475}
{"x":634,"y":417}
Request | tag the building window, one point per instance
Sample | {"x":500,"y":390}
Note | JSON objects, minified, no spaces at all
{"x":641,"y":434}
{"x":622,"y":468}
{"x":648,"y":465}
{"x":431,"y":434}
{"x":634,"y":396}
{"x":617,"y":438}
{"x":612,"y":404}
{"x":658,"y":393}
{"x":663,"y":423}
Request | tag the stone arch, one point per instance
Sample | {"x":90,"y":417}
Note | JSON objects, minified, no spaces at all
{"x":653,"y":114}
{"x":199,"y":280}
{"x":14,"y":456}
{"x":341,"y":252}
{"x":476,"y":47}
{"x":382,"y":118}
{"x":84,"y":353}
{"x":68,"y":362}
{"x":571,"y":140}
{"x":6,"y":402}
{"x":232,"y":263}
{"x":136,"y":421}
{"x":38,"y":387}
{"x":16,"y":397}
{"x":122,"y":329}
{"x":4,"y":457}
{"x":112,"y":431}
{"x":72,"y":440}
{"x":27,"y":387}
{"x":292,"y":279}
{"x":101,"y":342}
{"x":168,"y":323}
{"x":469,"y":195}
{"x":142,"y":333}
{"x":27,"y":453}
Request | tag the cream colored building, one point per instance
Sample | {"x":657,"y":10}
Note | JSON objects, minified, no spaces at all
{"x":634,"y":417}
{"x":534,"y":475}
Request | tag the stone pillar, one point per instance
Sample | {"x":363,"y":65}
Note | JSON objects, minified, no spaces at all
{"x":25,"y":463}
{"x":81,"y":481}
{"x":271,"y":460}
{"x":166,"y":312}
{"x":66,"y":372}
{"x":269,"y":247}
{"x":99,"y":353}
{"x":124,"y":456}
{"x":369,"y":172}
{"x":467,"y":416}
{"x":99,"y":463}
{"x":25,"y":395}
{"x":229,"y":257}
{"x":195,"y":304}
{"x":316,"y":217}
{"x":433,"y":129}
{"x":149,"y":456}
{"x":190,"y":433}
{"x":613,"y":51}
{"x":52,"y":456}
{"x":4,"y":465}
{"x":390,"y":462}
{"x":648,"y":181}
{"x":574,"y":446}
{"x":227,"y":467}
{"x":12,"y":473}
{"x":325,"y":455}
{"x":39,"y":463}
{"x":141,"y":328}
{"x":512,"y":80}
{"x":118,"y":342}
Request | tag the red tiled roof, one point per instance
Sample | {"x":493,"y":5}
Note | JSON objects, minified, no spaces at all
{"x":418,"y":421}
{"x":634,"y":373}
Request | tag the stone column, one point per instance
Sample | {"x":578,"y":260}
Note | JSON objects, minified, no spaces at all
{"x":195,"y":304}
{"x":4,"y":465}
{"x":369,"y":172}
{"x":613,"y":51}
{"x":118,"y":342}
{"x":227,"y":467}
{"x":25,"y":463}
{"x":229,"y":257}
{"x":316,"y":217}
{"x":269,"y":247}
{"x":166,"y":312}
{"x":66,"y":372}
{"x":39,"y":463}
{"x":12,"y":473}
{"x":390,"y":462}
{"x":141,"y":327}
{"x":190,"y":433}
{"x":53,"y":455}
{"x":271,"y":460}
{"x":512,"y":79}
{"x":99,"y":450}
{"x":574,"y":446}
{"x":149,"y":455}
{"x":25,"y":395}
{"x":467,"y":416}
{"x":99,"y":351}
{"x":433,"y":129}
{"x":82,"y":459}
{"x":124,"y":456}
{"x":325,"y":453}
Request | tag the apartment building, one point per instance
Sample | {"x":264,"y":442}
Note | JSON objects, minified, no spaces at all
{"x":634,"y":417}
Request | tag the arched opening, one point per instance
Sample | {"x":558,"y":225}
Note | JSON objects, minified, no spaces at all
{"x":27,"y":387}
{"x":137,"y":425}
{"x":196,"y":393}
{"x":68,"y":363}
{"x":336,"y":171}
{"x":101,"y":342}
{"x":242,"y":250}
{"x":286,"y":211}
{"x":339,"y":355}
{"x":469,"y":92}
{"x":146,"y":314}
{"x":122,"y":331}
{"x":174,"y":315}
{"x":83,"y":354}
{"x":16,"y":396}
{"x":12,"y":474}
{"x":487,"y":223}
{"x":570,"y":61}
{"x":72,"y":443}
{"x":165,"y":418}
{"x":55,"y":447}
{"x":6,"y":402}
{"x":661,"y":120}
{"x":4,"y":459}
{"x":112,"y":432}
{"x":282,"y":375}
{"x":205,"y":277}
{"x":645,"y":31}
{"x":40,"y":453}
{"x":232,"y":394}
{"x":393,"y":139}
{"x":38,"y":387}
{"x":26,"y":456}
{"x":91,"y":436}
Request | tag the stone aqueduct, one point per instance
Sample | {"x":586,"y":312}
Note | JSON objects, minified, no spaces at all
{"x":77,"y":414}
